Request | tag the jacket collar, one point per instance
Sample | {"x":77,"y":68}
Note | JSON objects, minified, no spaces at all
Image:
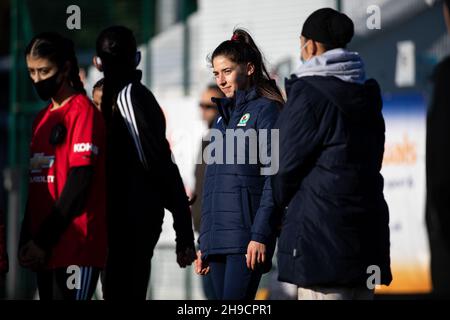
{"x":227,"y":106}
{"x":289,"y":82}
{"x":125,"y":79}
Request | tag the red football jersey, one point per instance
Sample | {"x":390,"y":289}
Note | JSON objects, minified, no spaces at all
{"x":84,"y":242}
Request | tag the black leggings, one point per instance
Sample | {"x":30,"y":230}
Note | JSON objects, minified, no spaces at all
{"x":66,"y":284}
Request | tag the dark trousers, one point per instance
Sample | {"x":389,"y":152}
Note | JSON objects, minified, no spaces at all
{"x":231,"y":278}
{"x":61,"y":283}
{"x":208,"y":288}
{"x":127,"y":270}
{"x":439,"y":254}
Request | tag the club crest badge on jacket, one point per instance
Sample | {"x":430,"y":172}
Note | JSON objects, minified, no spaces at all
{"x":244,"y":120}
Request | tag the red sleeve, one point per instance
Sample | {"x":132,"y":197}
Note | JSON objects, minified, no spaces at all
{"x":84,"y":138}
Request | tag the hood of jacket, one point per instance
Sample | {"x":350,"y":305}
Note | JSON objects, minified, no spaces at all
{"x":340,"y":63}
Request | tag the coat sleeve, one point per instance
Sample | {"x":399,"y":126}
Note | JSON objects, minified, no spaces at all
{"x":438,"y":150}
{"x":300,"y":138}
{"x":152,"y":131}
{"x":68,"y":206}
{"x":265,"y":222}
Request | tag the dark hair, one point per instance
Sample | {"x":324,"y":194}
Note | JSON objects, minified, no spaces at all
{"x":59,"y":50}
{"x":330,"y":27}
{"x":99,"y":84}
{"x":116,"y":47}
{"x":447,"y":3}
{"x":241,"y":49}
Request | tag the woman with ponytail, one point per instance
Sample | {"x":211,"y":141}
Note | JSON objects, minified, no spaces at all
{"x":238,"y":223}
{"x":63,"y":236}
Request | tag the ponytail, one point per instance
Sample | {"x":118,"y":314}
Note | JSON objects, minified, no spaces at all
{"x":75,"y":80}
{"x":109,"y":95}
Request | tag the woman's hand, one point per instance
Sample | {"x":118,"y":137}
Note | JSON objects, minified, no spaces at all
{"x":256,"y":253}
{"x":201,"y":267}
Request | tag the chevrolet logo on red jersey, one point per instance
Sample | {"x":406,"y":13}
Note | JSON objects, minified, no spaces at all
{"x":40,"y":161}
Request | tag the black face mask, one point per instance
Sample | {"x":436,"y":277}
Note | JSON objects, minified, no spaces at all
{"x":47,"y":88}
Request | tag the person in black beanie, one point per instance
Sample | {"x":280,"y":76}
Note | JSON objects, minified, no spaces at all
{"x":334,"y":241}
{"x":328,"y":27}
{"x":438,"y":175}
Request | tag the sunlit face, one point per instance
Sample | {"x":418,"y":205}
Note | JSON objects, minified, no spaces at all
{"x":231,"y":76}
{"x":40,"y":68}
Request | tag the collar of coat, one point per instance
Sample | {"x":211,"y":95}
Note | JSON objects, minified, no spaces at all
{"x":227,"y":106}
{"x":125,"y":80}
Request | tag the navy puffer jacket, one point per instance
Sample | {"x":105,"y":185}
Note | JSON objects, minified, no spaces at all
{"x":237,"y":198}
